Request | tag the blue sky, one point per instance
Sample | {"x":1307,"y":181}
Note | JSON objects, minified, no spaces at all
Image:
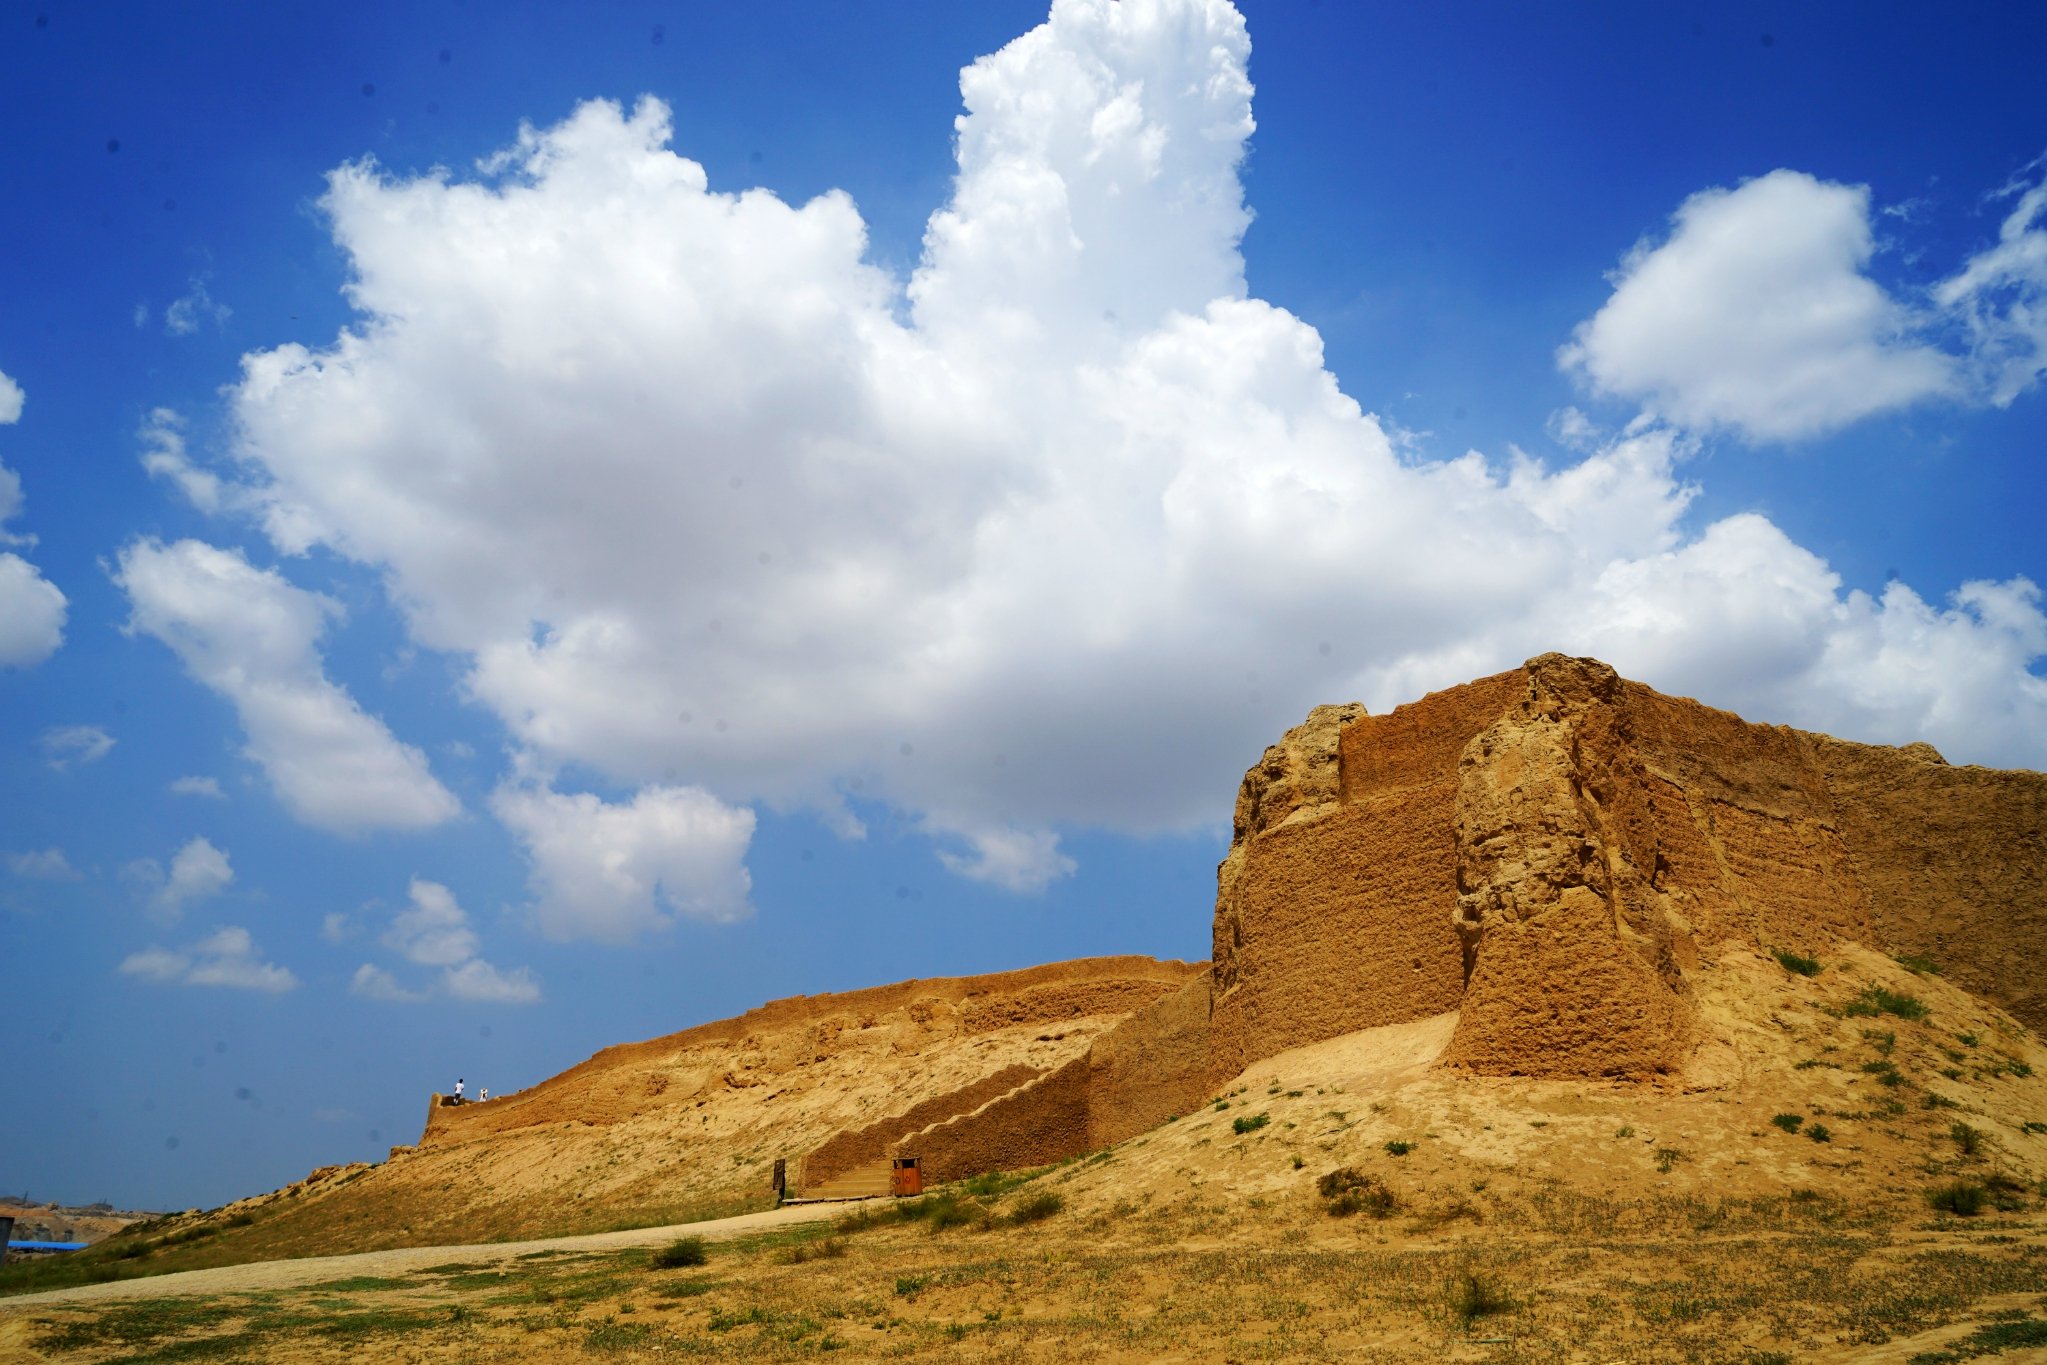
{"x":471,"y":596}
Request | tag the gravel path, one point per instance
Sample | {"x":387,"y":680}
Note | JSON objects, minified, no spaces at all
{"x":260,"y":1275}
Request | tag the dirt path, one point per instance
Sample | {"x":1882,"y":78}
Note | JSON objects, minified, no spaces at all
{"x":261,"y":1275}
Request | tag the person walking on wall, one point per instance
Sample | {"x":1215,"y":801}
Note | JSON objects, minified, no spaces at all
{"x":458,"y":1090}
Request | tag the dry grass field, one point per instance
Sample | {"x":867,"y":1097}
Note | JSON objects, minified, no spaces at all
{"x":1044,"y":1269}
{"x":1853,"y":1167}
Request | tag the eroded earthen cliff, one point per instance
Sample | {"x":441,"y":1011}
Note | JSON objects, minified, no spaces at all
{"x":1548,"y":851}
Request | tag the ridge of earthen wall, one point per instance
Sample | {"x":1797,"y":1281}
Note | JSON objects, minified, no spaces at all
{"x":1952,"y":862}
{"x":1117,"y":981}
{"x":870,"y":1142}
{"x":1059,"y":1001}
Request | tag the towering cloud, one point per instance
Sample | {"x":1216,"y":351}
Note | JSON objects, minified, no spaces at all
{"x":1054,"y":532}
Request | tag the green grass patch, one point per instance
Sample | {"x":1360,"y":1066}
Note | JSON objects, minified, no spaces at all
{"x":1796,"y":964}
{"x":1249,"y":1123}
{"x":683,"y":1251}
{"x":1917,"y":965}
{"x":1875,"y":1000}
{"x":1963,"y":1198}
{"x":1790,"y":1123}
{"x":1991,"y":1339}
{"x":1473,"y":1296}
{"x":617,"y":1336}
{"x":1035,"y":1209}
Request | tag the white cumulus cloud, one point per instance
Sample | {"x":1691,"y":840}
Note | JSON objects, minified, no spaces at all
{"x":195,"y":306}
{"x":65,"y":745}
{"x":1059,"y":531}
{"x":253,"y":637}
{"x":374,"y":983}
{"x":208,"y":787}
{"x":612,"y":870}
{"x":478,"y":982}
{"x":227,"y":957}
{"x":46,"y":864}
{"x":433,"y":931}
{"x":164,"y":456}
{"x":2002,"y":294}
{"x":32,"y":609}
{"x":198,"y":870}
{"x":1756,"y":314}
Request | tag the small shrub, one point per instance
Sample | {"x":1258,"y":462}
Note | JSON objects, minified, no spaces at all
{"x":1963,"y":1198}
{"x":1934,"y":1101}
{"x":683,"y":1251}
{"x":1349,"y":1190}
{"x":1221,"y":1105}
{"x":1626,"y":1130}
{"x":945,"y":1212}
{"x":824,"y":1249}
{"x":1967,"y":1039}
{"x":909,"y":1286}
{"x":1668,"y":1157}
{"x":1918,"y":966}
{"x":2006,"y":1194}
{"x":1819,"y":1132}
{"x":1876,"y":1000}
{"x":1800,"y":966}
{"x":2033,"y":1126}
{"x":1397,"y":1147}
{"x":1883,"y":1040}
{"x":1885,"y":1072}
{"x":1299,"y":1161}
{"x":1789,"y":1122}
{"x":1969,"y":1140}
{"x":1473,"y":1296}
{"x":1249,"y":1123}
{"x":1036,"y":1209}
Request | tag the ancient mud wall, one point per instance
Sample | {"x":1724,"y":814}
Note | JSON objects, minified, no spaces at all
{"x":1149,"y":1068}
{"x":621,"y":1082}
{"x":1035,"y":1125}
{"x":1335,"y":906}
{"x":1952,"y":862}
{"x":869,"y":1143}
{"x":1549,"y":850}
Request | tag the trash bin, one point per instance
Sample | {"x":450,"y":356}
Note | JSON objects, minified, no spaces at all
{"x":905,"y":1176}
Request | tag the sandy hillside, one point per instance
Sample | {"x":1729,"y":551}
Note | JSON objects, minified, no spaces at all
{"x":690,"y":1124}
{"x":1888,"y":1091}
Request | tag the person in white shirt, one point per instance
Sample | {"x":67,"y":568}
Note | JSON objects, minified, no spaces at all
{"x":458,"y":1090}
